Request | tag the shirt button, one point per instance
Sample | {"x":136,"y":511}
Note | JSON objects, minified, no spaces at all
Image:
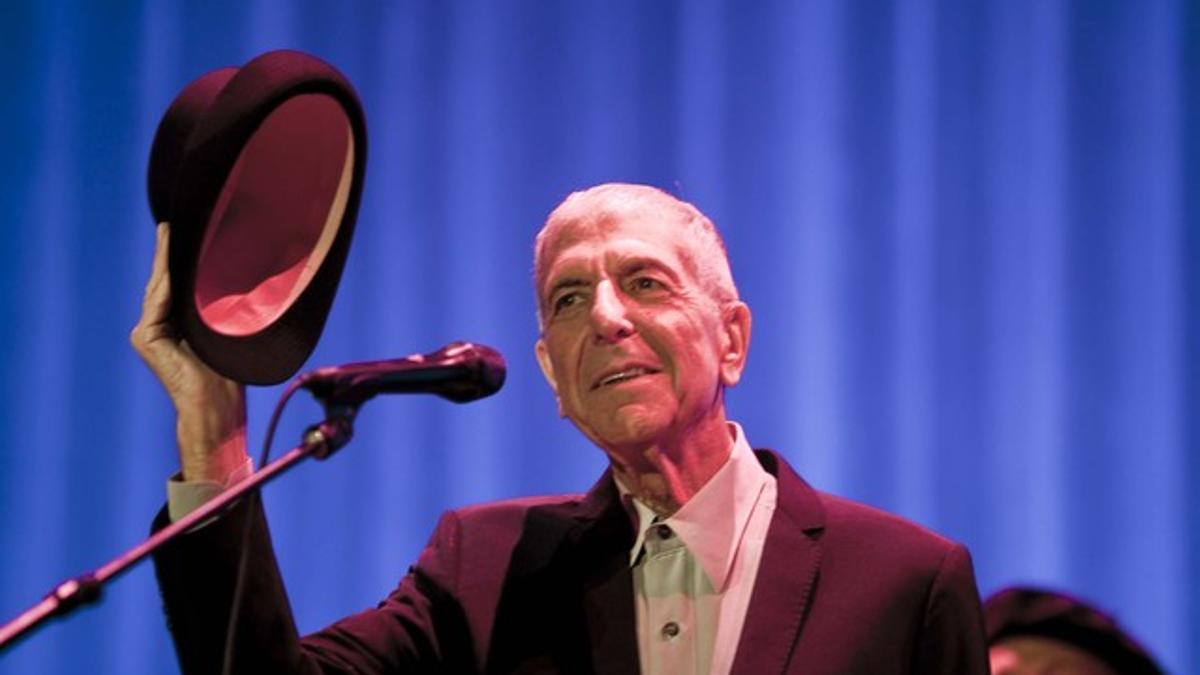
{"x":664,"y":532}
{"x":670,"y":629}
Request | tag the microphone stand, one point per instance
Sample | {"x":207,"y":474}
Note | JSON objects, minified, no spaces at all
{"x":319,"y":441}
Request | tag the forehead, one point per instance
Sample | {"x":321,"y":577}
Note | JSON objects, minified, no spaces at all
{"x":653,"y":234}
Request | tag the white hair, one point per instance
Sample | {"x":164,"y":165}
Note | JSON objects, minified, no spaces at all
{"x":611,"y":202}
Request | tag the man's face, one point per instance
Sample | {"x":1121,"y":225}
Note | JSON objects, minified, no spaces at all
{"x":634,"y":347}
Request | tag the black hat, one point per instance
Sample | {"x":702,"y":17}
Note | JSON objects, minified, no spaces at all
{"x":1035,"y":612}
{"x":259,"y":170}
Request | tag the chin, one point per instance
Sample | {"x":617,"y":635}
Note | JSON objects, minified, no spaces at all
{"x":630,"y":430}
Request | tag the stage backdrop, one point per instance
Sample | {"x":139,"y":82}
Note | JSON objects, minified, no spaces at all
{"x":968,"y":233}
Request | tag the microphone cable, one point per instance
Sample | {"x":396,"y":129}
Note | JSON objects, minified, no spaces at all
{"x":253,"y":500}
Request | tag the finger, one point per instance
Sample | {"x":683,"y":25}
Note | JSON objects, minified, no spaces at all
{"x":162,"y":238}
{"x":157,"y":298}
{"x":159,"y":269}
{"x":152,"y":337}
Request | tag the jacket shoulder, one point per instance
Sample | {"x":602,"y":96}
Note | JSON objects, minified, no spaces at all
{"x":842,"y":522}
{"x":866,"y":520}
{"x":485,"y":534}
{"x":877,"y":542}
{"x":507,"y":513}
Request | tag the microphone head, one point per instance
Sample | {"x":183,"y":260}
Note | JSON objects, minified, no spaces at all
{"x":484,"y":371}
{"x":459,"y":372}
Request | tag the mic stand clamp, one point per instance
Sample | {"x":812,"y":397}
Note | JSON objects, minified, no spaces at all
{"x":320,"y":441}
{"x":333,"y":433}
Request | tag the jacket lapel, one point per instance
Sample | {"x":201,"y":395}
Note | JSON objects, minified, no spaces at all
{"x":603,"y":540}
{"x":567,"y":603}
{"x":786,"y":574}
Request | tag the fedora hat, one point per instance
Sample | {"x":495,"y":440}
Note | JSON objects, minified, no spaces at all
{"x":259,"y":171}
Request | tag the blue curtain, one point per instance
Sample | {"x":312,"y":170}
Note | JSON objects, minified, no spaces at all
{"x":969,"y":233}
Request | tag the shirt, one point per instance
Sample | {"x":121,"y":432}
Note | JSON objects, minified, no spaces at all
{"x":183,"y":497}
{"x":693,"y":573}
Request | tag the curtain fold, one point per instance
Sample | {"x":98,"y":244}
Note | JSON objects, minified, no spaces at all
{"x":967,"y":231}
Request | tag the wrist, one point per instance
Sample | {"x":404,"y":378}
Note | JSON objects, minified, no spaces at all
{"x":204,"y":459}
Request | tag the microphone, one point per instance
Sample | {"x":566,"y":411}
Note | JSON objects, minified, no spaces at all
{"x":460,"y":372}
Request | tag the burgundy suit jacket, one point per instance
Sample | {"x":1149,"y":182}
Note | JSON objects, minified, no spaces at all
{"x":543,"y":586}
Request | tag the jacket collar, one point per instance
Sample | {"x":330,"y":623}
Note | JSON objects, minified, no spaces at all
{"x":778,"y":605}
{"x":713,"y":521}
{"x":786,"y":574}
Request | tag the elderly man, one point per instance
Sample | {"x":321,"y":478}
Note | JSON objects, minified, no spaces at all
{"x":692,"y":554}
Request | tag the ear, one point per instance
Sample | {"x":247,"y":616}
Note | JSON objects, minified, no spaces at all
{"x":735,"y":342}
{"x":543,"y":359}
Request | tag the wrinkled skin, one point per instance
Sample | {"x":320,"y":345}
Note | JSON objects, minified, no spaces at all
{"x":638,"y":353}
{"x":210,"y":409}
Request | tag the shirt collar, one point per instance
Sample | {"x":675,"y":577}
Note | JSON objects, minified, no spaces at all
{"x":712,"y":522}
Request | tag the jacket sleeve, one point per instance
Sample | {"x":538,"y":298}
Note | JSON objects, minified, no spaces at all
{"x":417,"y":628}
{"x":952,"y":632}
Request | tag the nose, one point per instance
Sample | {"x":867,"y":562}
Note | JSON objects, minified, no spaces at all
{"x":610,"y":318}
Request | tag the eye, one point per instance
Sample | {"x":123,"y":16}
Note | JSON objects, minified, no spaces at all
{"x":646,"y":284}
{"x":565,"y":301}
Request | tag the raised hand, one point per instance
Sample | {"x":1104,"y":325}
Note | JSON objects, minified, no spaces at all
{"x":210,"y":409}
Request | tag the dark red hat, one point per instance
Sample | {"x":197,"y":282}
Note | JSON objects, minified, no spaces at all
{"x":259,"y":170}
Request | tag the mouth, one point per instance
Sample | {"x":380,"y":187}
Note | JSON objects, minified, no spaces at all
{"x":622,"y":375}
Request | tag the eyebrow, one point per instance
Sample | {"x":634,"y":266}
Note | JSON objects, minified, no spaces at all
{"x":569,"y":282}
{"x":626,"y":265}
{"x":638,"y":263}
